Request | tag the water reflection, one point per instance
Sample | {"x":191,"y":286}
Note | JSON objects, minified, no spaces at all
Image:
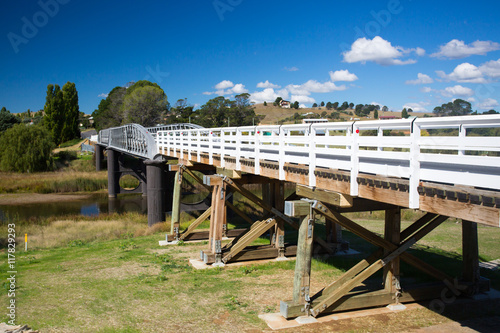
{"x":91,"y":206}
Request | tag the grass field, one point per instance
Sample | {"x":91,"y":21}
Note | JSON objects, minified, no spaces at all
{"x":111,"y":276}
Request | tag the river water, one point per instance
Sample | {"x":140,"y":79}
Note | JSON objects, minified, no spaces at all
{"x":90,"y":206}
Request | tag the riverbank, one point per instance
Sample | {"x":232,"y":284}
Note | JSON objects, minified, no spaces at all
{"x":35,"y":198}
{"x":130,"y":284}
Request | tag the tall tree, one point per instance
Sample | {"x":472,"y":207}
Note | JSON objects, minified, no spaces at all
{"x":322,"y":103}
{"x":404,"y":113}
{"x":385,"y":108}
{"x":145,"y":105}
{"x":54,"y":112}
{"x":296,"y":105}
{"x":458,"y":107}
{"x":375,"y":114}
{"x":70,"y":128}
{"x":315,"y":105}
{"x":329,"y":105}
{"x":277,"y":101}
{"x":344,"y":106}
{"x":7,"y":120}
{"x":336,"y":105}
{"x":182,"y":112}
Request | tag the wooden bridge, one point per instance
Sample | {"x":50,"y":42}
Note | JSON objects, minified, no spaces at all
{"x":440,"y":166}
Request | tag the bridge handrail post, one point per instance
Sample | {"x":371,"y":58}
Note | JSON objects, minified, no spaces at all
{"x":211,"y":148}
{"x":257,"y":134}
{"x":238,"y":148}
{"x":222,"y":147}
{"x":353,"y":132}
{"x":281,"y":153}
{"x":380,"y":135}
{"x":312,"y":155}
{"x":414,"y":199}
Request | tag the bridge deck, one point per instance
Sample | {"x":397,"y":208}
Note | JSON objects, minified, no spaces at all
{"x":456,"y":174}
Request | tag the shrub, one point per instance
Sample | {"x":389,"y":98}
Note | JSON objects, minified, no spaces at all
{"x":26,"y":149}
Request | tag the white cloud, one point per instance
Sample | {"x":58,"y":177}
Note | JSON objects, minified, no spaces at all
{"x":291,"y":69}
{"x":422,"y":79}
{"x":224,"y":85}
{"x":464,"y":72}
{"x":488,"y":104}
{"x":471,"y":99}
{"x":491,"y":68}
{"x":426,"y":89}
{"x":103,"y":95}
{"x":457,"y":90}
{"x":267,"y":95}
{"x":227,"y":87}
{"x":375,"y":103}
{"x":417,"y":107}
{"x":342,"y":75}
{"x":379,"y":51}
{"x":239,"y":89}
{"x":302,"y":99}
{"x":267,"y":84}
{"x":302,"y":106}
{"x":313,"y":86}
{"x":456,"y":49}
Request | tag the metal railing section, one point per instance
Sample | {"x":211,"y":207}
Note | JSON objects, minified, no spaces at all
{"x":391,"y":148}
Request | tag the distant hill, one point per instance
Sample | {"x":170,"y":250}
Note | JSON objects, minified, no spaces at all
{"x":273,"y":114}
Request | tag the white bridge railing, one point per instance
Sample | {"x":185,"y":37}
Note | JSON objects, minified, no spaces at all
{"x":391,"y":148}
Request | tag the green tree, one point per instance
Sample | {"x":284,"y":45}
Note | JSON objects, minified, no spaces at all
{"x":181,"y":112}
{"x":70,"y":129}
{"x":7,"y":120}
{"x":277,"y":101}
{"x":295,"y":105}
{"x":322,"y":103}
{"x":351,"y":105}
{"x":404,"y":114}
{"x":265,"y":103}
{"x":344,"y":106}
{"x":323,"y":114}
{"x":375,"y":114}
{"x":385,"y":108}
{"x":109,"y":113}
{"x":54,"y":112}
{"x":145,"y":105}
{"x":315,"y":105}
{"x":26,"y":149}
{"x":213,"y":113}
{"x":359,"y":110}
{"x":458,"y":107}
{"x":329,"y":105}
{"x":335,"y":105}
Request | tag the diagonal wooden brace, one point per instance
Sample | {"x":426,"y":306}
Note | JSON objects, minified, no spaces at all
{"x":332,"y":295}
{"x":380,"y":242}
{"x":252,"y":197}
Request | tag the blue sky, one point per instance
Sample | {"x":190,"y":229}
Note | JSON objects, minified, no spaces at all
{"x":399,"y":53}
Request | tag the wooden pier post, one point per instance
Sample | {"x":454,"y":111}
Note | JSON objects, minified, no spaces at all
{"x":392,"y":234}
{"x":176,"y":205}
{"x":470,"y":254}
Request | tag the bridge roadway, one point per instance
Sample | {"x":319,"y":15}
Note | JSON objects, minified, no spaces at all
{"x":441,"y":166}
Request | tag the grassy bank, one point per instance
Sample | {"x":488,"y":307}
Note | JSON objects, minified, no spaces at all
{"x":110,"y":275}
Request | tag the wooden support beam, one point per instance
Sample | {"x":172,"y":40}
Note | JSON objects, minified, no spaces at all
{"x":176,"y":205}
{"x":239,"y":212}
{"x":257,"y":229}
{"x":470,"y":254}
{"x":392,"y":233}
{"x":297,"y":208}
{"x":198,"y":179}
{"x":380,"y":242}
{"x":279,"y":231}
{"x":204,"y":235}
{"x":254,"y":253}
{"x":417,"y":225}
{"x":329,"y":197}
{"x":195,"y":224}
{"x":233,"y":174}
{"x":302,"y":276}
{"x":252,"y":197}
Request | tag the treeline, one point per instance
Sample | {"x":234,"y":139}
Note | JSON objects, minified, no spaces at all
{"x":27,"y":140}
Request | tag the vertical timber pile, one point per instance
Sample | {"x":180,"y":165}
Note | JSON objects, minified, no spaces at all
{"x":99,"y":156}
{"x":392,"y":233}
{"x":176,"y":205}
{"x":156,"y":192}
{"x":113,"y":173}
{"x":470,"y":256}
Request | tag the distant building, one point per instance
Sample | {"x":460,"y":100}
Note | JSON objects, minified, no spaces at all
{"x":314,"y":121}
{"x":285,"y":104}
{"x":387,"y":117}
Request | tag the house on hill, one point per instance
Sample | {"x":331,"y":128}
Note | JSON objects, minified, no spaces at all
{"x":285,"y":104}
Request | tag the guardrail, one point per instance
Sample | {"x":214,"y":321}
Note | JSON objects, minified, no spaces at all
{"x":391,"y":148}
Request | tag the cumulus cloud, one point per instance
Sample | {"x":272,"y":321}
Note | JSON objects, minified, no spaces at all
{"x":103,"y":95}
{"x":224,"y":85}
{"x":426,"y":89}
{"x":342,"y":75}
{"x":417,"y":107}
{"x":491,"y":68}
{"x":488,"y":104}
{"x":456,"y":49}
{"x":267,"y":84}
{"x":227,"y":87}
{"x":457,"y":90}
{"x":291,"y":69}
{"x":379,"y":51}
{"x":464,"y":72}
{"x":302,"y":99}
{"x":267,"y":95}
{"x":422,"y":79}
